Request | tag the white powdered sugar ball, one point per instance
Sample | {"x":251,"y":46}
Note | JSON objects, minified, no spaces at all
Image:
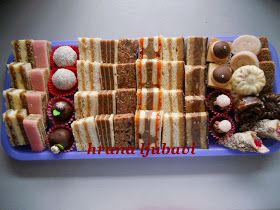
{"x":64,"y":56}
{"x":223,"y":100}
{"x":64,"y":79}
{"x":224,"y":126}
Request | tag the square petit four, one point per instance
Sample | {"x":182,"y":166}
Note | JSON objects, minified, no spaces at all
{"x":150,"y":47}
{"x":107,"y":102}
{"x":195,"y":81}
{"x":173,"y":75}
{"x":196,"y":48}
{"x":172,"y":101}
{"x":19,"y":75}
{"x":109,"y":51}
{"x":148,"y":125}
{"x":15,"y":98}
{"x":105,"y":129}
{"x":195,"y":104}
{"x":173,"y":49}
{"x":127,"y":50}
{"x":86,"y":104}
{"x":13,"y":120}
{"x":90,"y":49}
{"x":173,"y":129}
{"x":126,"y":100}
{"x":268,"y":68}
{"x":108,"y":77}
{"x":39,"y":79}
{"x":126,"y":75}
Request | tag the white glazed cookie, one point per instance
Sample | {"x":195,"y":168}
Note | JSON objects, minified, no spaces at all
{"x":246,"y":42}
{"x":243,"y":58}
{"x":248,"y":80}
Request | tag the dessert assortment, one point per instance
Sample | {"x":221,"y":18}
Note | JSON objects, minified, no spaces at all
{"x":148,"y":92}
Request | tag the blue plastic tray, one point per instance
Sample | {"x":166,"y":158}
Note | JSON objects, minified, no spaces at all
{"x":24,"y":152}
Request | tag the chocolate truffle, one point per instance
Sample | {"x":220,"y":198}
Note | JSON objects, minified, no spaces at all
{"x":222,"y":74}
{"x":61,"y":138}
{"x":221,"y":49}
{"x":62,"y":111}
{"x":64,"y":79}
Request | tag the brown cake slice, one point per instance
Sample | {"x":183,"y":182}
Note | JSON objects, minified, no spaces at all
{"x":150,"y":47}
{"x":90,"y":49}
{"x":126,"y":75}
{"x":268,"y":68}
{"x":195,"y":80}
{"x":19,"y":75}
{"x":109,"y":51}
{"x":196,"y":48}
{"x":86,"y":104}
{"x":264,"y":41}
{"x":124,"y":130}
{"x":15,"y":98}
{"x":264,"y":55}
{"x":173,"y":130}
{"x":126,"y":101}
{"x":107,"y":102}
{"x":13,"y":120}
{"x":197,"y":129}
{"x":195,"y":104}
{"x":173,"y":49}
{"x":148,"y":125}
{"x":105,"y":130}
{"x":127,"y":50}
{"x":84,"y":131}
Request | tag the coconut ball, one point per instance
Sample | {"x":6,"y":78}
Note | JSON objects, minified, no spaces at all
{"x":64,"y":79}
{"x":64,"y":56}
{"x":223,"y":101}
{"x":224,"y":126}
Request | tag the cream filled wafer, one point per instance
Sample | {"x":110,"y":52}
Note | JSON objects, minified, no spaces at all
{"x":196,"y":48}
{"x":108,"y":74}
{"x":173,"y":130}
{"x":172,"y":100}
{"x":150,"y":47}
{"x":84,"y":131}
{"x":13,"y":120}
{"x":19,"y":75}
{"x":15,"y":98}
{"x":173,"y":49}
{"x":148,"y":125}
{"x":90,"y":49}
{"x":149,"y":99}
{"x":23,"y":51}
{"x":105,"y":130}
{"x":195,"y":80}
{"x":196,"y":129}
{"x":86,"y":104}
{"x":89,"y":76}
{"x":107,"y":102}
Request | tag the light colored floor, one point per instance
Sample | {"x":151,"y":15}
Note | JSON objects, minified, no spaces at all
{"x":197,"y":183}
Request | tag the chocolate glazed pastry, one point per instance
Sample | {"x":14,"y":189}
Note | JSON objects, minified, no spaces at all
{"x":248,"y":109}
{"x":271,"y":106}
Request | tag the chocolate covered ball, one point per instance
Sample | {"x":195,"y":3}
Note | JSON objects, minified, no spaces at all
{"x":221,"y":49}
{"x":222,"y":74}
{"x":61,"y":136}
{"x":62,"y":111}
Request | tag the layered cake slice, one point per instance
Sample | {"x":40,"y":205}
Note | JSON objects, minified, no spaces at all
{"x":35,"y":131}
{"x":197,"y":129}
{"x":195,"y":104}
{"x":15,"y":98}
{"x":90,"y":49}
{"x":126,"y":101}
{"x":89,"y":76}
{"x":124,"y":130}
{"x":173,"y":49}
{"x":109,"y":51}
{"x":195,"y":80}
{"x":19,"y":75}
{"x":107,"y":102}
{"x":39,"y":79}
{"x":196,"y":48}
{"x":150,"y":47}
{"x":127,"y":50}
{"x":84,"y":131}
{"x":149,"y":99}
{"x":172,"y":101}
{"x":35,"y":52}
{"x":153,"y":73}
{"x":126,"y":75}
{"x":86,"y":104}
{"x":105,"y":129}
{"x":148,"y":126}
{"x":268,"y":68}
{"x":13,"y":120}
{"x":173,"y":130}
{"x":108,"y":74}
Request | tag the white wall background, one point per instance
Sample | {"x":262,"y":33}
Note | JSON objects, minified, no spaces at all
{"x":143,"y":184}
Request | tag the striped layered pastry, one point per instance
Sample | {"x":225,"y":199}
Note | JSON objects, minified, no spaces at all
{"x":197,"y":129}
{"x":148,"y":125}
{"x":150,"y":47}
{"x":195,"y":83}
{"x":13,"y":120}
{"x":196,"y":50}
{"x":108,"y":51}
{"x":15,"y":98}
{"x":173,"y":130}
{"x":105,"y":130}
{"x":173,"y":49}
{"x":151,"y":73}
{"x":19,"y":75}
{"x":195,"y":104}
{"x":84,"y":131}
{"x":35,"y":52}
{"x":160,"y":99}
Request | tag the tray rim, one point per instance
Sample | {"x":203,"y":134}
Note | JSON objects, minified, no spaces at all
{"x":219,"y":150}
